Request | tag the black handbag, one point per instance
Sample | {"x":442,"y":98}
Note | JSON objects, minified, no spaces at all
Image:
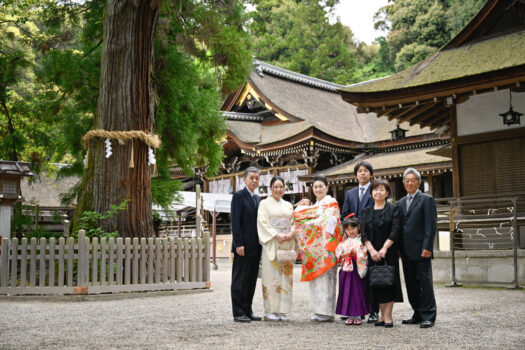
{"x":381,"y":275}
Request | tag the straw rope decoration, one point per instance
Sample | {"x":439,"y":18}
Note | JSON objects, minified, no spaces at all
{"x":122,"y":137}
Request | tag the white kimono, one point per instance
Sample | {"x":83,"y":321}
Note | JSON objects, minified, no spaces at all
{"x":277,"y":277}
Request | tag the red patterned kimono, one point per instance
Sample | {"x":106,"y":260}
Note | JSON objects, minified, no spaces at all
{"x":318,"y":232}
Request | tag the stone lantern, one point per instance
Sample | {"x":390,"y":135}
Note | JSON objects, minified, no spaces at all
{"x":10,"y":175}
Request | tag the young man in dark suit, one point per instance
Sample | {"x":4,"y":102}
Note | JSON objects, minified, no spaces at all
{"x":245,"y":247}
{"x":419,"y":224}
{"x":359,"y":198}
{"x":356,"y":200}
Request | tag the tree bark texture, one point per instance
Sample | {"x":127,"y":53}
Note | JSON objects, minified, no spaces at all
{"x":126,"y":102}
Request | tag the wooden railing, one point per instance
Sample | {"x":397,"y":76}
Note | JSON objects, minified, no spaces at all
{"x":93,"y":266}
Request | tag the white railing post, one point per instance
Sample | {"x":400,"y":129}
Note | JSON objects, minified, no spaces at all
{"x":81,"y":266}
{"x":4,"y":265}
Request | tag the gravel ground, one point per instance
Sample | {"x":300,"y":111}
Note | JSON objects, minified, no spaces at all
{"x":468,"y":318}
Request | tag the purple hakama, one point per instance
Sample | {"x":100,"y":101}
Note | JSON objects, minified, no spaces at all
{"x":352,"y":298}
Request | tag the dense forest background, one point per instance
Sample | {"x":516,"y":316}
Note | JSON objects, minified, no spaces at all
{"x":302,"y":36}
{"x":50,"y":54}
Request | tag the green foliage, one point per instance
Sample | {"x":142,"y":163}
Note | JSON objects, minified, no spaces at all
{"x":411,"y":54}
{"x":461,"y":12}
{"x":418,"y":28}
{"x":298,"y":36}
{"x":91,"y":221}
{"x":20,"y":222}
{"x":164,"y":191}
{"x":50,"y":82}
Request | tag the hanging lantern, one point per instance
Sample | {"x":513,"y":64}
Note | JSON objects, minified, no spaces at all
{"x":511,"y":116}
{"x":398,"y":133}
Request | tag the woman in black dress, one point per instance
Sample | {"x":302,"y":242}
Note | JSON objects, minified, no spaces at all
{"x":380,"y":228}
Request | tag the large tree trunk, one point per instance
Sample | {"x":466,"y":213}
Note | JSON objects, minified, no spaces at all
{"x":125,"y":103}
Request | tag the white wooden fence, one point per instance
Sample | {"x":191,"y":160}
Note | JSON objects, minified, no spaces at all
{"x":93,"y":266}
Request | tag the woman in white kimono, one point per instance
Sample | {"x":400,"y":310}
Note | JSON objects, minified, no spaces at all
{"x":274,"y":219}
{"x":319,"y":233}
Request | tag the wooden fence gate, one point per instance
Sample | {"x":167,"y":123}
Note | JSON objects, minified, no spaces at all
{"x":93,"y":266}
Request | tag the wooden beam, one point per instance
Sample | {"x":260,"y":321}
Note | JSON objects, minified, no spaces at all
{"x":436,"y":114}
{"x":455,"y":152}
{"x":463,"y":97}
{"x":430,"y":118}
{"x":386,"y":112}
{"x":407,"y":110}
{"x":430,"y":180}
{"x":492,"y":136}
{"x":445,"y":119}
{"x":418,"y":111}
{"x":431,"y":112}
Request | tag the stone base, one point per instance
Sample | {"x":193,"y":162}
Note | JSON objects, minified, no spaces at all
{"x":483,"y":267}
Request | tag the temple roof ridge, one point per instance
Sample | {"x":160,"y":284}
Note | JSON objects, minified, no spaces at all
{"x":243,"y":116}
{"x":263,"y":67}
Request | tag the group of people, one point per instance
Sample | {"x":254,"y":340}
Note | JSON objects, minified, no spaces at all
{"x":369,"y":231}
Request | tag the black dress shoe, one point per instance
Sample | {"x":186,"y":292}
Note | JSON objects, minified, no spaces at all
{"x":426,"y":324}
{"x":410,"y":321}
{"x":243,"y":319}
{"x":254,"y":318}
{"x":373,"y":317}
{"x":379,"y":323}
{"x":389,"y":325}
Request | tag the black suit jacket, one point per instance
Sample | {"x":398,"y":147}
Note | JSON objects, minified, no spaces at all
{"x":244,"y":222}
{"x":389,"y":225}
{"x":352,"y":204}
{"x":419,"y":225}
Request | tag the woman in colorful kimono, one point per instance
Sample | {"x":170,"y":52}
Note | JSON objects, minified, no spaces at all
{"x":319,"y":233}
{"x":274,"y":220}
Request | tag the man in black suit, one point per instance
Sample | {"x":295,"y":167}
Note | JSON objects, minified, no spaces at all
{"x":245,"y":247}
{"x":419,"y":223}
{"x":356,"y":200}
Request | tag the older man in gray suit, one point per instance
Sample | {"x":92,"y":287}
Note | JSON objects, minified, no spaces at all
{"x":419,"y":223}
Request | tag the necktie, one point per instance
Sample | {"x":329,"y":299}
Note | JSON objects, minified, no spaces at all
{"x":361,"y":193}
{"x":254,"y":200}
{"x":409,"y":200}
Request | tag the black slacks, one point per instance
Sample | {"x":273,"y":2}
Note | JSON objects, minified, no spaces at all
{"x":420,"y":288}
{"x":244,"y":280}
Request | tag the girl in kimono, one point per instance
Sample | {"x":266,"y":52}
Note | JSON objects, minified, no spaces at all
{"x":318,"y":234}
{"x":352,"y":300}
{"x":274,"y":219}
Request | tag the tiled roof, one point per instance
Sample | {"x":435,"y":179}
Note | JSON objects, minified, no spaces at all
{"x":391,"y":160}
{"x":470,"y":59}
{"x":326,"y":111}
{"x":46,"y":190}
{"x":15,"y":168}
{"x":263,"y":67}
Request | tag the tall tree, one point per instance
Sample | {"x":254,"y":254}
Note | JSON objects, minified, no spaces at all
{"x":165,"y":79}
{"x":200,"y":52}
{"x":125,"y":103}
{"x":460,"y":12}
{"x":298,"y":35}
{"x":418,"y":28}
{"x":19,"y":135}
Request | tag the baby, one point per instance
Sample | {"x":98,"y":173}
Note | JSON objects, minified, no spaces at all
{"x":302,"y":204}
